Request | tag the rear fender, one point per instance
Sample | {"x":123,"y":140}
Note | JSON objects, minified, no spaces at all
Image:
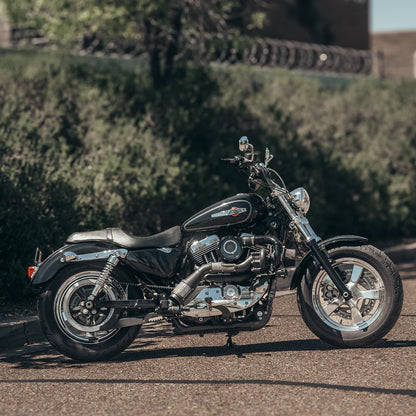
{"x":327,"y":244}
{"x":48,"y":269}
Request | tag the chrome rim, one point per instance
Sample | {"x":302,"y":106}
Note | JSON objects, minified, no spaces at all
{"x":77,"y":321}
{"x":368,"y":296}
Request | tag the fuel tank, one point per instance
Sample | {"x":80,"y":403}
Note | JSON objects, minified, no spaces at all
{"x":238,"y":210}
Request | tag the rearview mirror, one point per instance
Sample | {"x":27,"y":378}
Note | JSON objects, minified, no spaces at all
{"x":243,"y":144}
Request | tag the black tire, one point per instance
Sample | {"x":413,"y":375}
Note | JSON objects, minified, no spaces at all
{"x":64,"y":333}
{"x":377,"y":290}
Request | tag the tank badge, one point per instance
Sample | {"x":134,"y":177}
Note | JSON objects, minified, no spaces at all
{"x":234,"y":211}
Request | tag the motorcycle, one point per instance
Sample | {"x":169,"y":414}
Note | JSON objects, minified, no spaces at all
{"x":217,"y":272}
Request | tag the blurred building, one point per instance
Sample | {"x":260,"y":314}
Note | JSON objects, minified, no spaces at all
{"x":325,"y":36}
{"x":398,"y":49}
{"x":330,"y":37}
{"x":327,"y":22}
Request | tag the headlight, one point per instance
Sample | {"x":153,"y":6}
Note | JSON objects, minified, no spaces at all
{"x":301,"y":199}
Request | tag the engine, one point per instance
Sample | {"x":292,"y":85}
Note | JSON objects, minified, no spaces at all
{"x":231,"y":276}
{"x":213,"y":249}
{"x":234,"y":299}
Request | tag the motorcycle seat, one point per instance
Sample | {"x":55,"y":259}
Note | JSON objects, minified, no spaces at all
{"x":167,"y":238}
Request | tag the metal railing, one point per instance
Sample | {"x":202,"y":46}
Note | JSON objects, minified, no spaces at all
{"x":307,"y":57}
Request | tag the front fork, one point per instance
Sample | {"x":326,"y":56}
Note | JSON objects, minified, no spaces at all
{"x":302,"y":224}
{"x":325,"y":262}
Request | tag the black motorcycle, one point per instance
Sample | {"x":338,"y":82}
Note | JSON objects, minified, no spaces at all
{"x":216,"y":273}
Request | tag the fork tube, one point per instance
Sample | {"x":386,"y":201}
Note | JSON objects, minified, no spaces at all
{"x":302,"y":224}
{"x":323,"y":260}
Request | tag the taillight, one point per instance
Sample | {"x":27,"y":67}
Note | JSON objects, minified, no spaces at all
{"x":30,"y":271}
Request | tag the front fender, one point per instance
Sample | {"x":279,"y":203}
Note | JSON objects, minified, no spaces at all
{"x":53,"y":264}
{"x":327,"y":244}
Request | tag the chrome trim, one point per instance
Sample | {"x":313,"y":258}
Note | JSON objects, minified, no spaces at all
{"x":299,"y":220}
{"x":211,"y":300}
{"x":108,"y":268}
{"x":230,"y":240}
{"x":304,"y":227}
{"x":165,"y":250}
{"x":301,"y":199}
{"x":38,"y":256}
{"x":368,"y":296}
{"x":201,"y":248}
{"x":69,"y":256}
{"x":66,"y":318}
{"x":233,"y":212}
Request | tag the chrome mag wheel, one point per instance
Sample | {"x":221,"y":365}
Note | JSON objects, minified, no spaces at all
{"x":78,"y":317}
{"x":366,"y":305}
{"x":377,"y":297}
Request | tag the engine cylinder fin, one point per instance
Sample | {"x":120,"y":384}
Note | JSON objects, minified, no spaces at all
{"x":200,"y":250}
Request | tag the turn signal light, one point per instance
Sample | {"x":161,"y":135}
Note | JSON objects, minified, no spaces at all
{"x":30,"y":271}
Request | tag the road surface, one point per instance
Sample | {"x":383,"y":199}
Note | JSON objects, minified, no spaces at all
{"x":282,"y":369}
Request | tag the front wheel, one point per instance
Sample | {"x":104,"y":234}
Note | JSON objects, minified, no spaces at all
{"x":78,"y":330}
{"x":376,"y":304}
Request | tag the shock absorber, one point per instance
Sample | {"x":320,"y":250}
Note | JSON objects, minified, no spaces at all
{"x":108,"y":268}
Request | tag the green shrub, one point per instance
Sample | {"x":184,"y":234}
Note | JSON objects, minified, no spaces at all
{"x":70,"y":161}
{"x":88,"y":143}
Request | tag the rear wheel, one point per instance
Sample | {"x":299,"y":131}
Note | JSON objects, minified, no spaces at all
{"x":77,"y":328}
{"x":377,"y":298}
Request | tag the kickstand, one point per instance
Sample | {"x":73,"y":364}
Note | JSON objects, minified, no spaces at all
{"x":230,"y":343}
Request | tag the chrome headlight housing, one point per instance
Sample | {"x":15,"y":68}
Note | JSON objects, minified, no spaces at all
{"x":301,"y":199}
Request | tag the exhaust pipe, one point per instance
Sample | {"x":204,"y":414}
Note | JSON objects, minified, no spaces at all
{"x":184,"y":292}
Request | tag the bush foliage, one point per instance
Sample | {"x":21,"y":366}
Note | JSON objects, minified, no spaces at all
{"x":88,"y":143}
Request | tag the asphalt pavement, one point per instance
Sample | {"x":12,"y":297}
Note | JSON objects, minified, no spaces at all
{"x":282,"y":369}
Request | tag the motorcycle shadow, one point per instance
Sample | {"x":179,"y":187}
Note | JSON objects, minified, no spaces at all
{"x":42,"y":356}
{"x":241,"y":351}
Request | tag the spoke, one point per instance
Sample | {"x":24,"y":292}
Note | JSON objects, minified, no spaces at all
{"x":370,"y":294}
{"x":82,"y":293}
{"x":77,"y":294}
{"x":356,"y":274}
{"x":331,"y":307}
{"x":356,"y":315}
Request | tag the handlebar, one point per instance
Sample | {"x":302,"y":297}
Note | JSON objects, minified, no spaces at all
{"x":257,"y":170}
{"x":259,"y":173}
{"x":234,"y":161}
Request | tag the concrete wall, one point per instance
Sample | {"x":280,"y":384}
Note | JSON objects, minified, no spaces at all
{"x":398,"y":49}
{"x":4,"y":27}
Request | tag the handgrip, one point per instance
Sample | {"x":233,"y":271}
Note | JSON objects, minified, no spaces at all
{"x":233,"y":161}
